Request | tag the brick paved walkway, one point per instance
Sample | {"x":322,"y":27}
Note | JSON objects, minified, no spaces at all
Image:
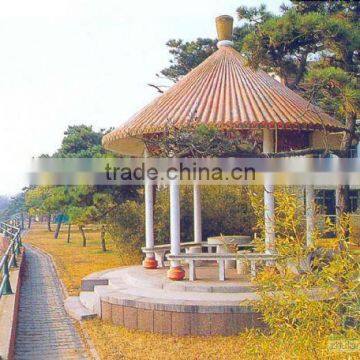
{"x":44,"y":329}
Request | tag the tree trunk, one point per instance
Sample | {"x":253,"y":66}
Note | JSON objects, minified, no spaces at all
{"x":58,"y":227}
{"x":49,"y":222}
{"x":154,"y":194}
{"x":300,"y":71}
{"x":81,"y":228}
{"x":349,"y":134}
{"x":102,"y":235}
{"x":342,"y":207}
{"x":29,"y":222}
{"x":343,"y":201}
{"x":69,"y":233}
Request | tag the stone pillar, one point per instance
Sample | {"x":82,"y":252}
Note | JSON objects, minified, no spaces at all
{"x":149,"y":261}
{"x":358,"y":156}
{"x":197,"y":214}
{"x":269,"y":200}
{"x":176,"y":272}
{"x":197,"y":221}
{"x":310,"y":214}
{"x":338,"y":204}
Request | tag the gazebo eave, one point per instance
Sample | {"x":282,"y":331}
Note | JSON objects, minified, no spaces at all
{"x":131,"y":143}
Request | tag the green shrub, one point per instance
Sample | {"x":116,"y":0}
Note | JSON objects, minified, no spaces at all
{"x":316,"y":302}
{"x":225,"y":210}
{"x":127,"y":229}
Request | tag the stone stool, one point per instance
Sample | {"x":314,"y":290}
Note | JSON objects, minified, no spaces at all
{"x":242,"y":266}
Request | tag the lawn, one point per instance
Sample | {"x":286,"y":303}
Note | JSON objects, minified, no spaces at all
{"x":115,"y":342}
{"x":74,"y":261}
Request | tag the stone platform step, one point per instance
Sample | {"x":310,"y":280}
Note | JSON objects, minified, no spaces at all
{"x":136,"y":276}
{"x":91,"y":301}
{"x":142,"y":278}
{"x":77,"y":310}
{"x":172,"y":295}
{"x":136,"y":287}
{"x":146,"y":300}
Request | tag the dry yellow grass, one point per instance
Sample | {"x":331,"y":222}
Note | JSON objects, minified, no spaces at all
{"x":127,"y":344}
{"x":115,"y":342}
{"x":72,"y":260}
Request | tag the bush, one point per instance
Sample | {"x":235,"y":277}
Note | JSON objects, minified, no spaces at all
{"x":127,"y":230}
{"x":225,"y":210}
{"x":314,"y":303}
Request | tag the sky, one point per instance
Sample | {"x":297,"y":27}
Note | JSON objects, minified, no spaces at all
{"x":85,"y":62}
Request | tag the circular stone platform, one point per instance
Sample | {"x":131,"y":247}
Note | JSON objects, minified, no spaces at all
{"x":145,"y":299}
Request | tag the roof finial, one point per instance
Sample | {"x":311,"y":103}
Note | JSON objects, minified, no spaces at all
{"x":224,"y":27}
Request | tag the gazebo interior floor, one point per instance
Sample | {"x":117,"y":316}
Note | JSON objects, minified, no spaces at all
{"x":206,"y":276}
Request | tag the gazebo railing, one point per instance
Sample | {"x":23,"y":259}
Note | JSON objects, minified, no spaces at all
{"x":9,"y":258}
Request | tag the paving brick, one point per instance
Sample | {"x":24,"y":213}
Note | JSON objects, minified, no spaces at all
{"x":200,"y":324}
{"x":105,"y":310}
{"x":219,"y":324}
{"x":162,"y":322}
{"x":146,"y":320}
{"x":117,"y":314}
{"x":180,"y":323}
{"x":246,"y":321}
{"x":130,"y":317}
{"x":235,"y":323}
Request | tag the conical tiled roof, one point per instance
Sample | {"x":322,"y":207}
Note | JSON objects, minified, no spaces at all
{"x":225,"y":92}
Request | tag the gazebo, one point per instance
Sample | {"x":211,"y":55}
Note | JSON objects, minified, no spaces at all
{"x":224,"y":92}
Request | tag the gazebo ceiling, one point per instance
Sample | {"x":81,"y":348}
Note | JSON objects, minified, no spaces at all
{"x":225,"y":92}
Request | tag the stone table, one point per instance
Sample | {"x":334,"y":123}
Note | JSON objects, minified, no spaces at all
{"x":223,"y":243}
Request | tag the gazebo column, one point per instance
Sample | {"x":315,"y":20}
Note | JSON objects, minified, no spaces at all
{"x":197,"y":220}
{"x":338,"y":204}
{"x":176,"y":272}
{"x":269,"y":199}
{"x":149,"y":261}
{"x":197,"y":214}
{"x":310,"y":214}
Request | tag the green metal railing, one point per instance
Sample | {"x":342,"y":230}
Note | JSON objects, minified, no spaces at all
{"x":12,"y":229}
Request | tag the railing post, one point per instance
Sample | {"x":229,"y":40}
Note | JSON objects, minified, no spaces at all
{"x":22,"y":221}
{"x":17,"y":247}
{"x":20,"y":242}
{"x":14,"y":249}
{"x":7,"y":287}
{"x":13,"y":262}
